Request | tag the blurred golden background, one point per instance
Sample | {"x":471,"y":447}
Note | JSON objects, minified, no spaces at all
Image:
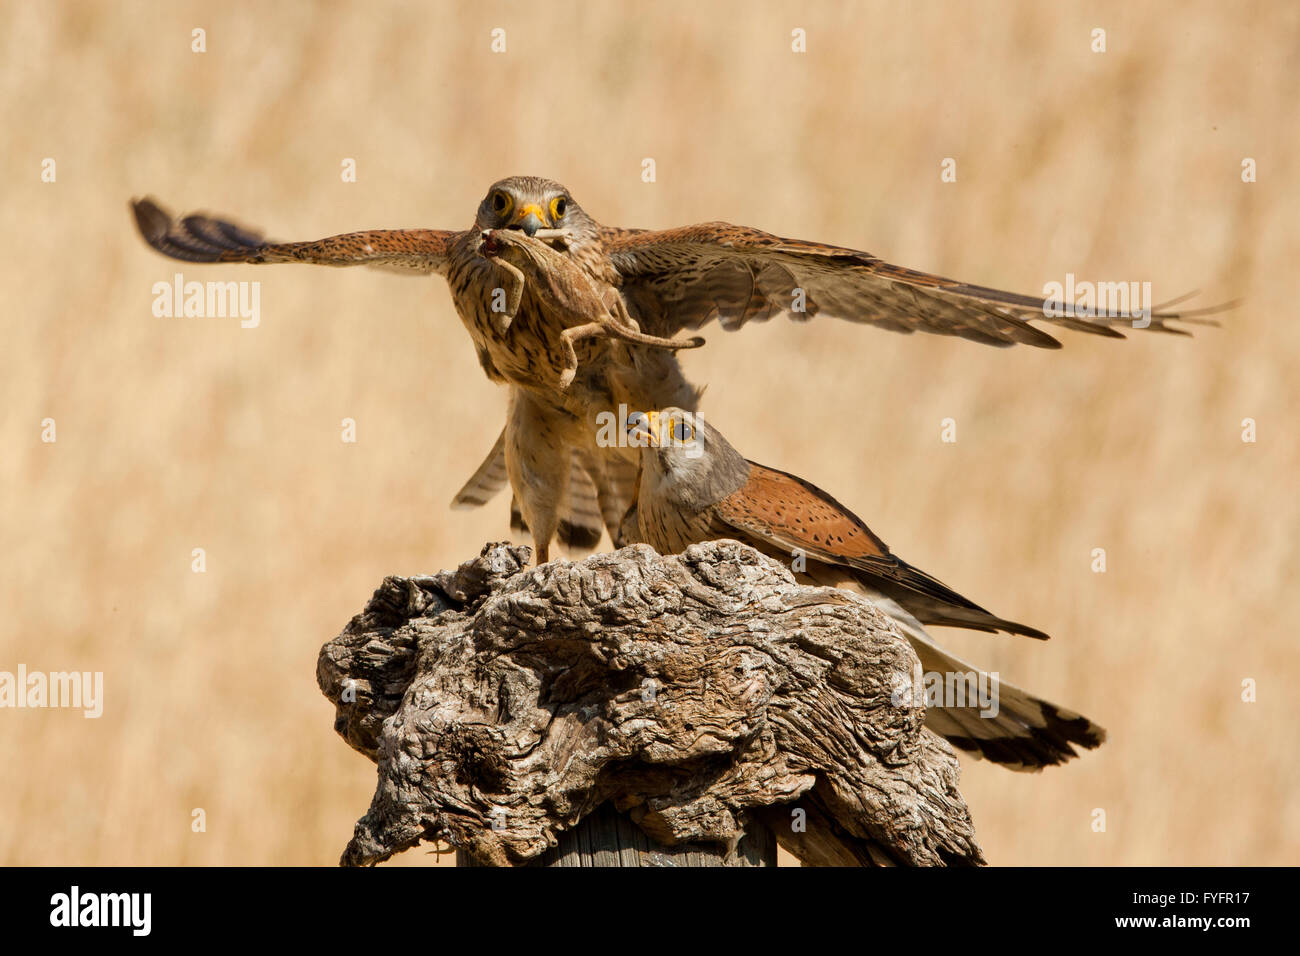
{"x":175,"y":434}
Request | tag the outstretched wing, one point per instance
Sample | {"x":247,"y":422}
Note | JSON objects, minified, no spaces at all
{"x":202,"y":238}
{"x":677,"y":279}
{"x":792,"y":515}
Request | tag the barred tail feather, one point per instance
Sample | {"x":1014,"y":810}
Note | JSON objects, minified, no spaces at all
{"x":580,"y":525}
{"x":489,"y":479}
{"x":1027,"y":733}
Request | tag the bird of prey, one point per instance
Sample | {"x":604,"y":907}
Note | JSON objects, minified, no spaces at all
{"x":656,"y":283}
{"x":696,"y":487}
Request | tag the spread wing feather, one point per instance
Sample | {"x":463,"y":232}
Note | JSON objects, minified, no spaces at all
{"x":202,"y":238}
{"x":676,"y":279}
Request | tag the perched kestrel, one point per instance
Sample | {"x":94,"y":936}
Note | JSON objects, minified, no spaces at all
{"x":655,"y":283}
{"x":696,"y":487}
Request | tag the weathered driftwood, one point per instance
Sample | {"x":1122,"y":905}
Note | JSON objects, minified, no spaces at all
{"x":698,"y":695}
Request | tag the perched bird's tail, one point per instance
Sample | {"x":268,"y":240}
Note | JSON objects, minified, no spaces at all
{"x":1012,"y":727}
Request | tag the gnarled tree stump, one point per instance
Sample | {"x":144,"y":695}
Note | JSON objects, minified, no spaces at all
{"x":698,"y":695}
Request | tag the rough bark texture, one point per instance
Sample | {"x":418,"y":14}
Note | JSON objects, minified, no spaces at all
{"x":606,"y":837}
{"x":697,"y":694}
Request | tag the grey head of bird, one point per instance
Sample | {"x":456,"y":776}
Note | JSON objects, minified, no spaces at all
{"x":536,"y":207}
{"x":685,"y":461}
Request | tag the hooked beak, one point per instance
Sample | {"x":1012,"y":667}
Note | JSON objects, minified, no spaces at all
{"x":530,"y":218}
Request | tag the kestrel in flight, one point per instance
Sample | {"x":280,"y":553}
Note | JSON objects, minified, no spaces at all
{"x":696,"y":487}
{"x":656,"y":284}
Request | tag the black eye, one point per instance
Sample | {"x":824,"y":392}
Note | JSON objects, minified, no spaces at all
{"x":561,"y":204}
{"x":499,"y":202}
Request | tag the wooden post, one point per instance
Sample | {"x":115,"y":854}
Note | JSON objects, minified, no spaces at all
{"x":725,"y":705}
{"x":608,"y":838}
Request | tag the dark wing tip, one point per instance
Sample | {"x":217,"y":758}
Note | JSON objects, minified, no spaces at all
{"x":1011,"y":627}
{"x":194,"y":238}
{"x":151,"y":219}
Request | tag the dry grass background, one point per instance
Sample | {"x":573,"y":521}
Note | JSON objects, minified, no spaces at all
{"x":183,"y":433}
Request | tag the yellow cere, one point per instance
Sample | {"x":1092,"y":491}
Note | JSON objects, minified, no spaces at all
{"x":533,"y":208}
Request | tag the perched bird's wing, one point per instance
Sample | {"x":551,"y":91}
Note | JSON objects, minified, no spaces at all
{"x":794,"y":516}
{"x":201,"y":238}
{"x":675,"y":279}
